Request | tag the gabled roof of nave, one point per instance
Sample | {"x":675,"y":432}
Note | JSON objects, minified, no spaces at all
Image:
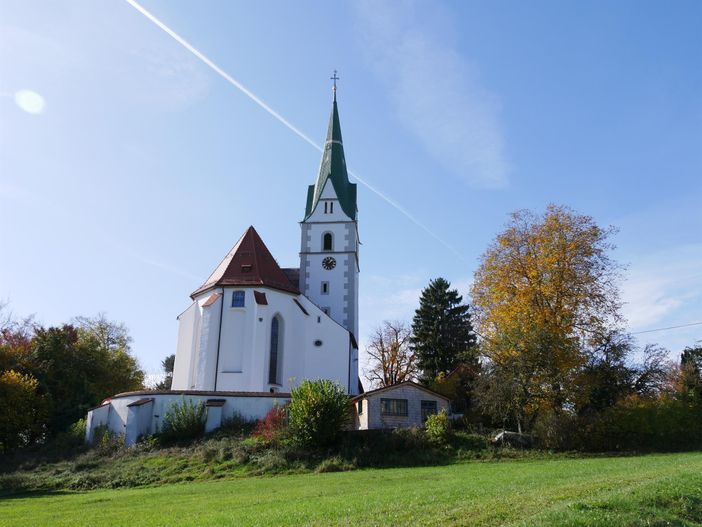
{"x":333,"y":168}
{"x":248,"y":263}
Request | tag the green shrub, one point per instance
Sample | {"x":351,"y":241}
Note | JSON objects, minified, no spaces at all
{"x":72,"y":437}
{"x":101,"y":434}
{"x":555,"y":431}
{"x":639,"y":424}
{"x":438,"y":427}
{"x":318,"y":413}
{"x":237,"y":425}
{"x":184,"y":420}
{"x":105,"y":443}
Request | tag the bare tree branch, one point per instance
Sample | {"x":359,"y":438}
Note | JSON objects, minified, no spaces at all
{"x":391,"y":359}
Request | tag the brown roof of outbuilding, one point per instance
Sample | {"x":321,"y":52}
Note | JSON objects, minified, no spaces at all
{"x":248,"y":263}
{"x":392,"y":387}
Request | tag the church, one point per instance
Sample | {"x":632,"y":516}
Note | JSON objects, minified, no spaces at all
{"x":254,"y":330}
{"x":256,"y":327}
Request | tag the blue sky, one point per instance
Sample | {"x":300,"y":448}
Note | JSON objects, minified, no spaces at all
{"x":144,"y":166}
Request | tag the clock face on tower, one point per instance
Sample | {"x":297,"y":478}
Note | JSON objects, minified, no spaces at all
{"x":329,"y":263}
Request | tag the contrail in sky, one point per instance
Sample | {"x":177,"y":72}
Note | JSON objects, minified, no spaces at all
{"x":239,"y":86}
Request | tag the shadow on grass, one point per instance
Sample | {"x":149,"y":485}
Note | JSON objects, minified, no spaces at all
{"x":24,"y":494}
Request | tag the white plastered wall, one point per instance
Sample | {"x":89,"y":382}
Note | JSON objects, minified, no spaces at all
{"x":187,"y":348}
{"x":244,"y":341}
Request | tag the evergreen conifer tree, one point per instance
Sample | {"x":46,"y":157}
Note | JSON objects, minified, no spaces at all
{"x":442,"y":333}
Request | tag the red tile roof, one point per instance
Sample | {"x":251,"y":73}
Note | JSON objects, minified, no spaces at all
{"x":248,"y":263}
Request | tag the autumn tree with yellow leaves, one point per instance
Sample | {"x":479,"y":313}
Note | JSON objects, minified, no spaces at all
{"x":545,"y":291}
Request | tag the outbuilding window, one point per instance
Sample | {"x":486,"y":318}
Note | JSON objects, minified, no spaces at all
{"x":393,"y":407}
{"x":428,"y":408}
{"x":359,"y":405}
{"x":238,"y":298}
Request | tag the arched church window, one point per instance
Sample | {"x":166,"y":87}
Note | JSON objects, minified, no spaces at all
{"x":327,"y":241}
{"x":274,"y":362}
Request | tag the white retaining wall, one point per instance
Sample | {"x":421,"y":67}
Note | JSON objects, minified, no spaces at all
{"x":138,"y":414}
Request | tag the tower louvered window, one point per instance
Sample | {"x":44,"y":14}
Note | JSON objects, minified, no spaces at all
{"x":327,"y":242}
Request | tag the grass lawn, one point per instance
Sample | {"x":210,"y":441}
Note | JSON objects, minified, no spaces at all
{"x":663,"y":489}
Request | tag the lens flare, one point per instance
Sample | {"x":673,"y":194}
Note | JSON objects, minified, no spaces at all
{"x":30,"y":101}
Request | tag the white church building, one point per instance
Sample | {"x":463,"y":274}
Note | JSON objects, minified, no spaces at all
{"x":254,"y":330}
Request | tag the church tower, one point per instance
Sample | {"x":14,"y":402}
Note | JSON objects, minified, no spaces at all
{"x":329,"y":264}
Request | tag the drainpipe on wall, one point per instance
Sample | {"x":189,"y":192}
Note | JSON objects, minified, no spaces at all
{"x":219,"y":338}
{"x":348,"y":377}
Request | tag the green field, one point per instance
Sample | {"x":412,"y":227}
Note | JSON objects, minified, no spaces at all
{"x":643,"y":490}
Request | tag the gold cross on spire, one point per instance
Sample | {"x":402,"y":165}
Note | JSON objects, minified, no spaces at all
{"x":334,"y":78}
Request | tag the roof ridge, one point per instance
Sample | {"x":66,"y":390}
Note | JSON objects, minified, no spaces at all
{"x":249,"y":263}
{"x":416,"y":384}
{"x":255,"y":252}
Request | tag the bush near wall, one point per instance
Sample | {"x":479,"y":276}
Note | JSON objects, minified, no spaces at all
{"x":437,"y":427}
{"x":184,"y":420}
{"x":273,"y":427}
{"x":319,"y":411}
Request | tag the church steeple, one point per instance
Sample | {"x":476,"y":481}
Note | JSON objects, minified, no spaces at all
{"x":333,"y":168}
{"x":329,"y":261}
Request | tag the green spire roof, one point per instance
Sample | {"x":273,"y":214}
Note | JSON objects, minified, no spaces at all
{"x":333,"y":167}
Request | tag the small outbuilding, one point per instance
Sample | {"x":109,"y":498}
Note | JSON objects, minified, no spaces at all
{"x":401,"y":405}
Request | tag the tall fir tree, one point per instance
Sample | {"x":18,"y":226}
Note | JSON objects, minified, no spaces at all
{"x":442,"y":333}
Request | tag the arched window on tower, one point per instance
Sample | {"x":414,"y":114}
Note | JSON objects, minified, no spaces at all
{"x":327,"y":241}
{"x":276,"y":352}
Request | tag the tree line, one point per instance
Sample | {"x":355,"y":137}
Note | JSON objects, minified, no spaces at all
{"x":51,"y":376}
{"x":542,"y":348}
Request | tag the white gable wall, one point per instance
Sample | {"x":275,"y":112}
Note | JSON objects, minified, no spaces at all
{"x":209,"y":335}
{"x":328,"y":195}
{"x":187,"y":347}
{"x":244,"y":342}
